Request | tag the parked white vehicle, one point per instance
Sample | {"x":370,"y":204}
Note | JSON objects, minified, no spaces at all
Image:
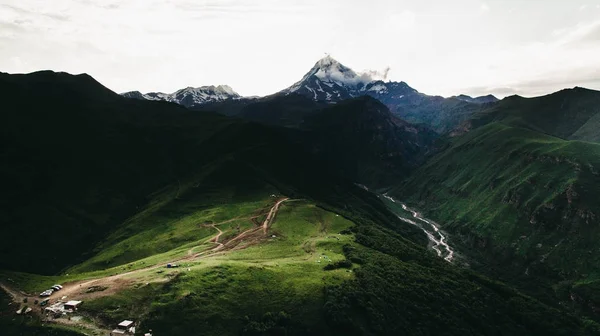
{"x":47,"y":292}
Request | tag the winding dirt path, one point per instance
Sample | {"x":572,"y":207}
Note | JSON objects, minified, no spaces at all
{"x":216,"y":239}
{"x":272,"y":214}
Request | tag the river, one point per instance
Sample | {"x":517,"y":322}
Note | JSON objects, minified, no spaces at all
{"x":431,"y":229}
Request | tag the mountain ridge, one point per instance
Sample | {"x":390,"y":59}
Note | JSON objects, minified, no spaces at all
{"x":570,"y":114}
{"x":479,"y":100}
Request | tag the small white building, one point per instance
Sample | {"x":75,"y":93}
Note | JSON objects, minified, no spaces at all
{"x":72,"y":305}
{"x":125,"y":328}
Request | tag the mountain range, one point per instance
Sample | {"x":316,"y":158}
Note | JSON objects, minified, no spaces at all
{"x":189,"y":96}
{"x":318,"y":210}
{"x":329,"y":81}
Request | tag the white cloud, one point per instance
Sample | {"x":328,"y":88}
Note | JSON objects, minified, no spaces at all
{"x":372,"y":75}
{"x":570,"y":59}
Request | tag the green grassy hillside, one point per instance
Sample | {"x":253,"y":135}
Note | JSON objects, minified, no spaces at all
{"x":568,"y":114}
{"x":524,"y":201}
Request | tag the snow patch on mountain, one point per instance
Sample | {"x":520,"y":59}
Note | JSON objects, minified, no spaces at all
{"x":378,"y":88}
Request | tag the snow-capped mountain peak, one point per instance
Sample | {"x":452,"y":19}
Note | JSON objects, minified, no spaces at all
{"x":190,"y":96}
{"x":330,"y":80}
{"x":330,"y":70}
{"x":220,"y":92}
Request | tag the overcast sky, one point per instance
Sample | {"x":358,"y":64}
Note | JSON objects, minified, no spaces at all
{"x":258,"y":47}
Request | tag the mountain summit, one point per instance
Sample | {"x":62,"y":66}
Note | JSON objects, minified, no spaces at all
{"x":329,"y":70}
{"x":329,"y":80}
